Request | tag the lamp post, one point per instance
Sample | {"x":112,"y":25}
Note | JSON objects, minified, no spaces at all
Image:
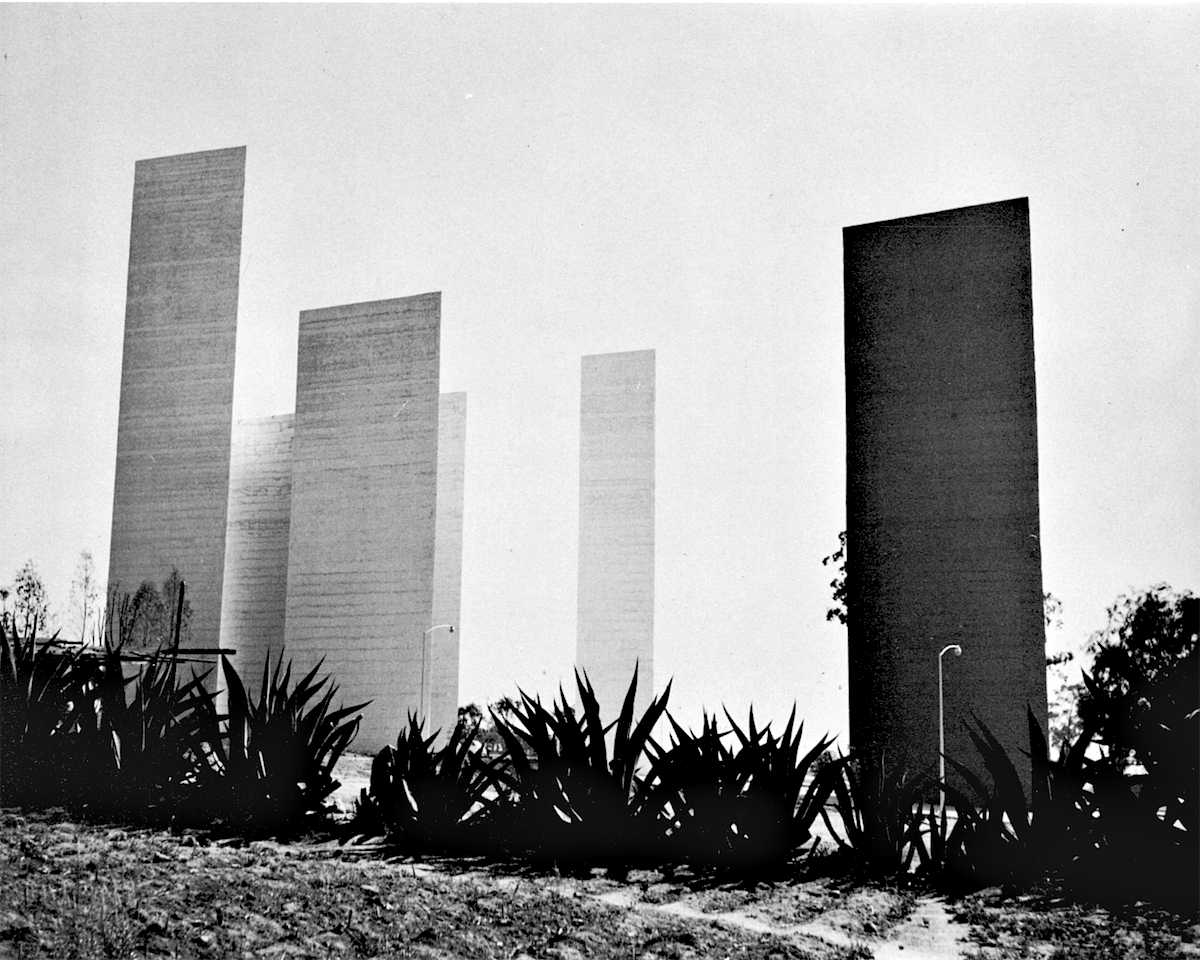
{"x":427,"y":672}
{"x":942,"y":726}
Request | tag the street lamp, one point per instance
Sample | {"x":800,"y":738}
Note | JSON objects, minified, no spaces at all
{"x":427,"y":671}
{"x":942,"y":725}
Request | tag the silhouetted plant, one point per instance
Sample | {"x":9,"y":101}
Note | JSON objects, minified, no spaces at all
{"x":567,"y":800}
{"x":420,"y":797}
{"x":702,"y":781}
{"x":46,"y":693}
{"x":746,"y":809}
{"x":881,"y":808}
{"x":79,"y":733}
{"x":149,"y":742}
{"x":272,"y":770}
{"x":1087,"y":823}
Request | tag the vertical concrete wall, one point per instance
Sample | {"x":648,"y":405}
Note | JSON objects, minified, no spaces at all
{"x":616,"y":526}
{"x":364,"y":490}
{"x":942,"y":480}
{"x":173,"y":431}
{"x":447,"y":562}
{"x":256,"y":543}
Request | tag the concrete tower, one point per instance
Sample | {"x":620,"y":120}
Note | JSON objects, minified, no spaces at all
{"x":364,"y":492}
{"x":173,"y":431}
{"x":942,"y":481}
{"x":447,"y":564}
{"x":256,"y":543}
{"x":616,"y":526}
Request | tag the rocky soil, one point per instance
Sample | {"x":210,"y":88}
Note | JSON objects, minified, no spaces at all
{"x":72,"y":889}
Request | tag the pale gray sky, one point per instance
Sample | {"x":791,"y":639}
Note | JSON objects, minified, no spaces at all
{"x":580,"y":179}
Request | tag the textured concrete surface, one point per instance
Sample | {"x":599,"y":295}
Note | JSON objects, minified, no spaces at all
{"x":616,"y":526}
{"x":364,"y":490}
{"x":447,"y":562}
{"x":942,"y":480}
{"x":256,"y":542}
{"x":173,"y":432}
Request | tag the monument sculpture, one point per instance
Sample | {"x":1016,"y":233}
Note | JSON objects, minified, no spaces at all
{"x":256,"y":543}
{"x":447,"y":564}
{"x":942,"y":481}
{"x":364,"y":493}
{"x":616,"y":526}
{"x":173,"y":433}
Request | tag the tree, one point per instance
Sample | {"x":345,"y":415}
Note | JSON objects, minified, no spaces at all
{"x":1144,"y":664}
{"x":1063,"y":720}
{"x":838,"y":583}
{"x":470,"y":714}
{"x":147,"y":619}
{"x":30,"y":609}
{"x":487,"y":736}
{"x":84,"y":601}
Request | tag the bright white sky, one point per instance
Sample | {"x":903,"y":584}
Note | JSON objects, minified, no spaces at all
{"x":588,"y":179}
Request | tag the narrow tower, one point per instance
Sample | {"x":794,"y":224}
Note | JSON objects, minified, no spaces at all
{"x":616,"y":526}
{"x":364,"y":492}
{"x":942,"y":481}
{"x":256,"y":543}
{"x":443,"y":645}
{"x":176,"y":412}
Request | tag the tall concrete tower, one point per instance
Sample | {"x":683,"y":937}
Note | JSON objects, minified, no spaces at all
{"x":616,"y":526}
{"x":443,"y":645}
{"x":256,"y":543}
{"x":176,"y":412}
{"x":942,"y":480}
{"x":364,"y":493}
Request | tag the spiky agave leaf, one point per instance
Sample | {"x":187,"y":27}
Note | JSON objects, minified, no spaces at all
{"x":562,"y":797}
{"x":279,"y":754}
{"x":159,"y":733}
{"x":775,"y":809}
{"x":47,"y":697}
{"x":701,"y":780}
{"x":423,"y":796}
{"x":880,"y":807}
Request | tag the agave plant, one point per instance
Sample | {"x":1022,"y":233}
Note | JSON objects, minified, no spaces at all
{"x":567,"y":799}
{"x":421,"y":797}
{"x":46,"y":696}
{"x":1004,"y":836}
{"x":780,"y":810}
{"x":158,"y":735}
{"x":702,"y":781}
{"x":143,"y":735}
{"x":881,"y":811}
{"x":1107,"y":832}
{"x":273,"y":769}
{"x":748,"y":808}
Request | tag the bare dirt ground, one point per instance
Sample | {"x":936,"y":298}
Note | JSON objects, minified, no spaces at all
{"x":91,"y":890}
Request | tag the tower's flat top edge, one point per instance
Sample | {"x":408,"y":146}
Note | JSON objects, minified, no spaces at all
{"x":979,"y":213}
{"x":630,"y":354}
{"x":377,"y":306}
{"x":229,"y":151}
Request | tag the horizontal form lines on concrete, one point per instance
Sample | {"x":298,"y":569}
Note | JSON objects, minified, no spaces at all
{"x":256,"y":547}
{"x":616,"y":524}
{"x":173,"y":434}
{"x":364,"y":492}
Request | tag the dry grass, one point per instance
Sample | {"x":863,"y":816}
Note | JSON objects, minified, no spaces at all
{"x":1042,"y":924}
{"x":78,"y":890}
{"x":84,"y":890}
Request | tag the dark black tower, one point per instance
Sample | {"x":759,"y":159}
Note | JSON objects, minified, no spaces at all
{"x":942,"y":481}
